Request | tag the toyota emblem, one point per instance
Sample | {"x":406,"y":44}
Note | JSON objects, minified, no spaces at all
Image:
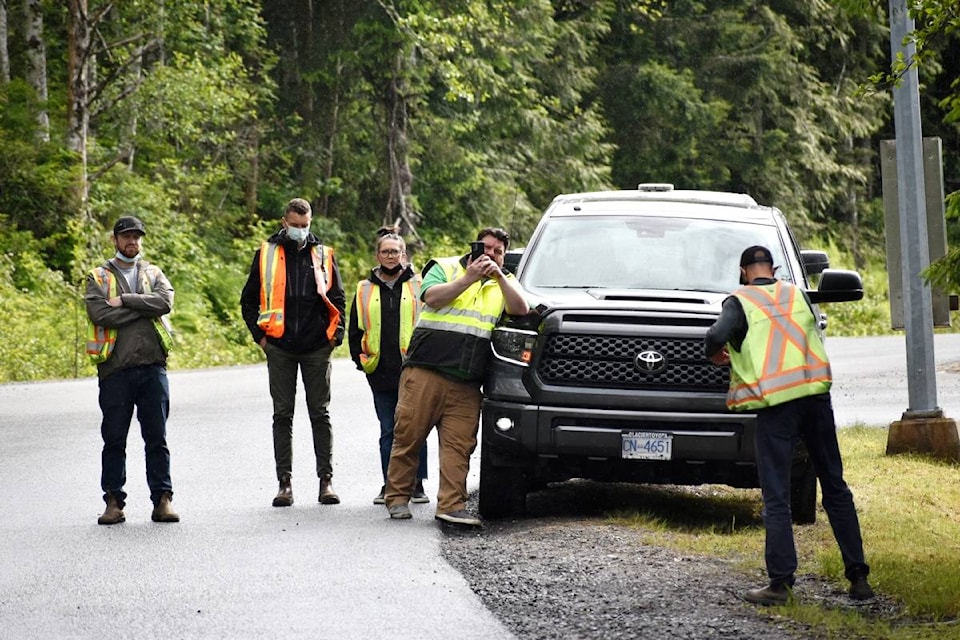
{"x":650,"y":362}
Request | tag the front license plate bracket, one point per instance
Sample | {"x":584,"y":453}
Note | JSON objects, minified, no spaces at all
{"x":646,"y":445}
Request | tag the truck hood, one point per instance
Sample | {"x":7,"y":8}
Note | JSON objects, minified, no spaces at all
{"x":649,"y":300}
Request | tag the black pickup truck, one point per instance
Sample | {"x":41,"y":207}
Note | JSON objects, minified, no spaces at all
{"x":607,"y":378}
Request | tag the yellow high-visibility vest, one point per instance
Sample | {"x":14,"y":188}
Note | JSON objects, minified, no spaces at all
{"x":474,"y":312}
{"x":782,"y":357}
{"x":368,"y":319}
{"x":101,"y":340}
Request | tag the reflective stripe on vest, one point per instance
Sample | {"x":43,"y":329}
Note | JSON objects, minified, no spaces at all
{"x":474,"y":312}
{"x":101,"y":340}
{"x":273,"y":287}
{"x":368,"y":318}
{"x":782,"y":357}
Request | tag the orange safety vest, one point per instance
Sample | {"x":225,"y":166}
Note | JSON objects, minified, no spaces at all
{"x":101,"y":340}
{"x":273,"y":287}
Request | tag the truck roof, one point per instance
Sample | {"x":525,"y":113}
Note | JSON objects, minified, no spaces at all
{"x":741,"y":200}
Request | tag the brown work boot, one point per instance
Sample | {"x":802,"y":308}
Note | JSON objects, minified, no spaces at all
{"x":113,"y":514}
{"x":162,"y":511}
{"x":327,"y":496}
{"x":776,"y":593}
{"x":284,"y":497}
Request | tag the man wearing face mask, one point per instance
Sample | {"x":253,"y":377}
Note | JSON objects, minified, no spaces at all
{"x":293,"y":304}
{"x":127,"y":301}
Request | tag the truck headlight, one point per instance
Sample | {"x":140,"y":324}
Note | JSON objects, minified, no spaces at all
{"x":515,"y":345}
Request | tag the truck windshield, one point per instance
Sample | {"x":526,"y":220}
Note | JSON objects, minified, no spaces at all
{"x":646,"y":252}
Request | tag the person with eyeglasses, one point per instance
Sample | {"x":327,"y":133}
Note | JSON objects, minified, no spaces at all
{"x":128,"y":301}
{"x":385,"y":309}
{"x":464,"y":297}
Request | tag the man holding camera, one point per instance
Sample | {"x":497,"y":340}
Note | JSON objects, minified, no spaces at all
{"x":440,"y":383}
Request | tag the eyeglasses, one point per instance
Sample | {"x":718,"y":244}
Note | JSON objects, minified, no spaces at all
{"x":390,"y":252}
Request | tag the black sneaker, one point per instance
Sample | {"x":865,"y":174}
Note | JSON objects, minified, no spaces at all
{"x":419,"y":496}
{"x":860,"y":589}
{"x":379,"y":499}
{"x":460,"y":517}
{"x":771,"y":595}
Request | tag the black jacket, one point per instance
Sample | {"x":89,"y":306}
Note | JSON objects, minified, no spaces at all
{"x":305,"y":314}
{"x":386,"y":376}
{"x":731,"y":326}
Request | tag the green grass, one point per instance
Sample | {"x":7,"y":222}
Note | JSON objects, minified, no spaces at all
{"x":909,"y":509}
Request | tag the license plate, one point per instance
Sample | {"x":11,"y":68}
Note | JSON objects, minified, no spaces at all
{"x":646,"y":445}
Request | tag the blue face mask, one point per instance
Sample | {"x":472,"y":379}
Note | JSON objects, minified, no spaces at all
{"x":297,"y":234}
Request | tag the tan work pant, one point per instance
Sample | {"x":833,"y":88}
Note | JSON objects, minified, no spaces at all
{"x":427,"y":399}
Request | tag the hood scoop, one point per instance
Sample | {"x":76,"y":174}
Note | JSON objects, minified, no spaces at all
{"x":627,"y":295}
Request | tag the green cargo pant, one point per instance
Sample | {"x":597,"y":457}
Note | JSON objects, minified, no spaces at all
{"x":315,"y":371}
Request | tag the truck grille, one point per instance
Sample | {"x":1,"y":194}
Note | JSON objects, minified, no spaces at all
{"x":608,"y":361}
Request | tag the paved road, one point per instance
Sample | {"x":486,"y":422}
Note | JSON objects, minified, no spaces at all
{"x":870,"y":378}
{"x":236,"y":567}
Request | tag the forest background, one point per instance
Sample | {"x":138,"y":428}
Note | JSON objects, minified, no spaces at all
{"x":204,"y":117}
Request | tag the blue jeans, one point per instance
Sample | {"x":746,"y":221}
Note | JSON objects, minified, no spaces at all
{"x":314,"y":369}
{"x":811,"y":420}
{"x":385,"y":403}
{"x":146,"y":388}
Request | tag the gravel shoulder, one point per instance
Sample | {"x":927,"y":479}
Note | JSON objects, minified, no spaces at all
{"x":566,"y":572}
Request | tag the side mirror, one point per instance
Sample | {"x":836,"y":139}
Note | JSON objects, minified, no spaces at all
{"x":511,"y":260}
{"x":837,"y":285}
{"x":814,"y":261}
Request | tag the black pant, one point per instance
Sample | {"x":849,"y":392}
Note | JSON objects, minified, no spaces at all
{"x":146,"y":388}
{"x":811,"y":420}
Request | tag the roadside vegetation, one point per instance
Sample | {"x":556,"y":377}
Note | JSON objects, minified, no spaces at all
{"x":48,"y":311}
{"x":911,"y":529}
{"x":204,"y":118}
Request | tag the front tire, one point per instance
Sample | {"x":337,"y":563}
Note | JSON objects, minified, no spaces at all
{"x":503,"y":488}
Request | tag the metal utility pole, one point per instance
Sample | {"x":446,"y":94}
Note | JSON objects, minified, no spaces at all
{"x":923,"y":426}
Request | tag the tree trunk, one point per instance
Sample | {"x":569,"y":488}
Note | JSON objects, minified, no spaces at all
{"x":36,"y":61}
{"x":331,"y":138}
{"x":253,"y":175}
{"x":128,"y":146}
{"x":4,"y":51}
{"x":853,"y":204}
{"x":78,"y":49}
{"x":399,"y":209}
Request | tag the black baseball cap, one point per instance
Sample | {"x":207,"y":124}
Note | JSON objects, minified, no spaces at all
{"x":129,"y":223}
{"x":755,"y":254}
